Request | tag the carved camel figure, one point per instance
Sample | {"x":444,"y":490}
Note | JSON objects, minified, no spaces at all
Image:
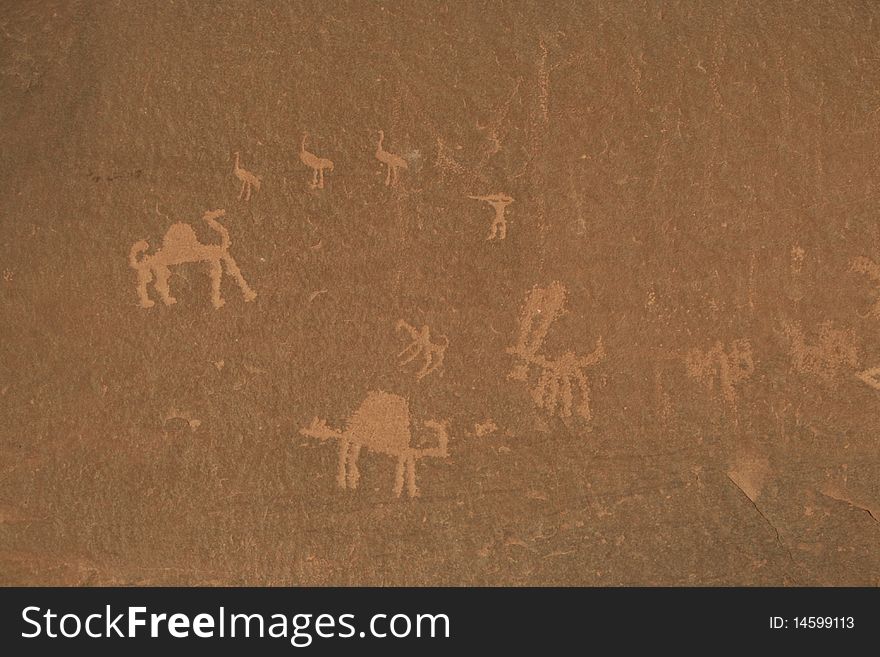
{"x":317,"y":164}
{"x":381,"y":424}
{"x":180,"y":245}
{"x":392,"y":161}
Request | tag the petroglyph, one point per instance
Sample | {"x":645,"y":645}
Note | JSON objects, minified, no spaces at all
{"x":248,"y":180}
{"x":175,"y":414}
{"x":445,"y":162}
{"x":871,"y":377}
{"x":483,"y":429}
{"x":796,"y":289}
{"x":180,"y":245}
{"x":835,"y":350}
{"x":494,"y":128}
{"x":543,"y":306}
{"x":663,"y":399}
{"x":421,"y":345}
{"x":729,"y":367}
{"x":543,"y":82}
{"x":555,"y":384}
{"x":557,"y":377}
{"x":797,"y":259}
{"x":499,"y":202}
{"x":381,"y":424}
{"x":872,"y":270}
{"x":317,"y":164}
{"x":392,"y":161}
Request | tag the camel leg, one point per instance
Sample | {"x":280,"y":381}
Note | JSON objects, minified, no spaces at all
{"x":502,"y":228}
{"x":162,"y":276}
{"x":320,"y":178}
{"x":353,"y":475}
{"x":411,"y":489}
{"x":241,"y":193}
{"x":247,"y":196}
{"x":493,"y":231}
{"x":314,"y":179}
{"x":343,"y":458}
{"x":584,"y":407}
{"x":539,"y":392}
{"x":398,"y":475}
{"x":566,"y":396}
{"x":144,"y":277}
{"x":388,"y":177}
{"x":235,"y":272}
{"x":216,"y":273}
{"x":551,"y":399}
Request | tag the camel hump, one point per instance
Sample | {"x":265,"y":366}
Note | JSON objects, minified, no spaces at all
{"x":382,"y":422}
{"x":180,"y":235}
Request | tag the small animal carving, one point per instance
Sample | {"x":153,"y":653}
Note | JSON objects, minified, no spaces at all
{"x":729,"y":366}
{"x":499,"y":202}
{"x":422,"y":345}
{"x":834,"y":350}
{"x":382,"y":425}
{"x":317,"y":164}
{"x":392,"y":161}
{"x":180,"y":245}
{"x":872,"y":270}
{"x":248,"y":180}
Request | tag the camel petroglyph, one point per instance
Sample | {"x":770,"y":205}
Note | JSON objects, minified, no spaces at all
{"x":181,"y":245}
{"x":834,"y":351}
{"x":381,"y":424}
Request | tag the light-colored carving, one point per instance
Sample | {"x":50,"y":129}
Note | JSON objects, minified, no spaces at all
{"x":559,"y":377}
{"x":543,"y":306}
{"x":485,"y":428}
{"x":317,"y":164}
{"x":870,"y":377}
{"x":499,"y":203}
{"x":728,"y":367}
{"x":381,"y":424}
{"x":392,"y":161}
{"x":422,"y":345}
{"x":180,"y":245}
{"x":187,"y":416}
{"x":248,"y":180}
{"x":872,"y":270}
{"x":835,"y":350}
